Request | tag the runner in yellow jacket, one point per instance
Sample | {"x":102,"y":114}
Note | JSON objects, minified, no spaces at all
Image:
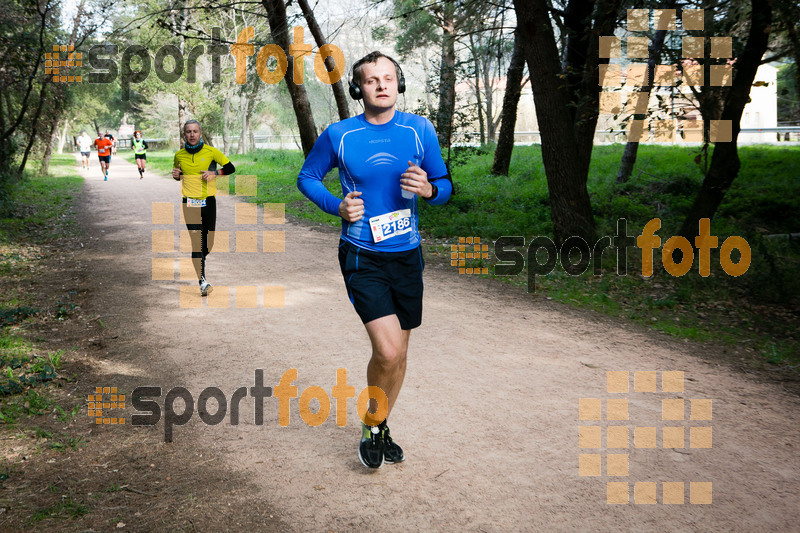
{"x":195,"y":166}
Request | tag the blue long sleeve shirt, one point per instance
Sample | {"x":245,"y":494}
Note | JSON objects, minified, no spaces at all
{"x":370,"y":159}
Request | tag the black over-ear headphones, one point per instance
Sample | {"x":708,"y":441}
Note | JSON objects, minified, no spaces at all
{"x":355,"y":89}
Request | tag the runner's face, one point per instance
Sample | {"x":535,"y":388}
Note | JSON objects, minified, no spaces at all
{"x":379,"y":84}
{"x":192,"y":134}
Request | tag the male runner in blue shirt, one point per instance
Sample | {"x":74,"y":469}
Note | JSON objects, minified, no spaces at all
{"x":386,"y":158}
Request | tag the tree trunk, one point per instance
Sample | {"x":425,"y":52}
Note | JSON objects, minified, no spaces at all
{"x":279,"y":27}
{"x":481,"y":122}
{"x":725,"y":160}
{"x":586,"y":94}
{"x":251,"y":108}
{"x":5,"y":97}
{"x":505,"y":140}
{"x":447,"y":77}
{"x":226,"y":110}
{"x":34,"y":126}
{"x":488,"y":90}
{"x":632,"y":147}
{"x":56,"y":108}
{"x":51,"y":137}
{"x":181,"y":120}
{"x":63,"y":138}
{"x":571,"y":210}
{"x":242,"y":148}
{"x":338,"y":88}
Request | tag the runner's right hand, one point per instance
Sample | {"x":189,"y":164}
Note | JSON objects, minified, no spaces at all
{"x":176,"y":174}
{"x":352,"y":208}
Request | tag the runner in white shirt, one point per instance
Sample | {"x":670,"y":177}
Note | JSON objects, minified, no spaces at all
{"x":85,"y":146}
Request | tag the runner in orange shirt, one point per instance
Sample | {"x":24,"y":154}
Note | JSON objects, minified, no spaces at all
{"x":104,"y":154}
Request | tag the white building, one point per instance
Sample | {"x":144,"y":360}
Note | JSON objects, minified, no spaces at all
{"x":760,"y":112}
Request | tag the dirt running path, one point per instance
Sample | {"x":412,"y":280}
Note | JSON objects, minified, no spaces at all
{"x":488,"y":416}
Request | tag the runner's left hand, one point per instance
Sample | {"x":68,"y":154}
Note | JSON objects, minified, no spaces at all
{"x":415,"y":180}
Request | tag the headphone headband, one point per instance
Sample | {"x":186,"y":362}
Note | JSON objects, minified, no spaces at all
{"x":372,"y":57}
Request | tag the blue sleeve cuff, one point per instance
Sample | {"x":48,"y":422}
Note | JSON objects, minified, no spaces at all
{"x":444,"y":189}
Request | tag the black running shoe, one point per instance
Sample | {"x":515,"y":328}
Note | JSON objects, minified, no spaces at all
{"x":392,"y":453}
{"x":370,"y":449}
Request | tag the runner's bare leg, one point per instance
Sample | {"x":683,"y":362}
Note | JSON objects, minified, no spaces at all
{"x":387,"y":366}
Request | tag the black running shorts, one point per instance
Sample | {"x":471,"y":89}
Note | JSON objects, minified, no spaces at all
{"x":140,"y":156}
{"x":203,"y":219}
{"x":104,"y":158}
{"x":383,"y":283}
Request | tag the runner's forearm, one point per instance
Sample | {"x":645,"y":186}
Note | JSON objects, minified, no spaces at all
{"x":444,"y":189}
{"x":227,"y":169}
{"x":315,"y":191}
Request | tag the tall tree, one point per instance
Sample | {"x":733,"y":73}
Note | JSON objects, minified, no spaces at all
{"x":279,"y":27}
{"x":477,"y":84}
{"x":24,"y":84}
{"x":654,"y":58}
{"x":83,"y":27}
{"x":442,"y":22}
{"x":725,"y":160}
{"x":491,"y":47}
{"x":566,"y":101}
{"x":508,"y":116}
{"x":447,"y":76}
{"x":338,"y":88}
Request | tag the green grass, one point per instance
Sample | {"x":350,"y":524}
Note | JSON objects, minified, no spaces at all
{"x":31,"y":403}
{"x":277,"y":175}
{"x":160,"y":162}
{"x":63,"y":442}
{"x":277,"y":182}
{"x":43,"y":213}
{"x":67,"y":417}
{"x":67,"y":507}
{"x":663,"y":185}
{"x":44,"y":204}
{"x":764,"y":199}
